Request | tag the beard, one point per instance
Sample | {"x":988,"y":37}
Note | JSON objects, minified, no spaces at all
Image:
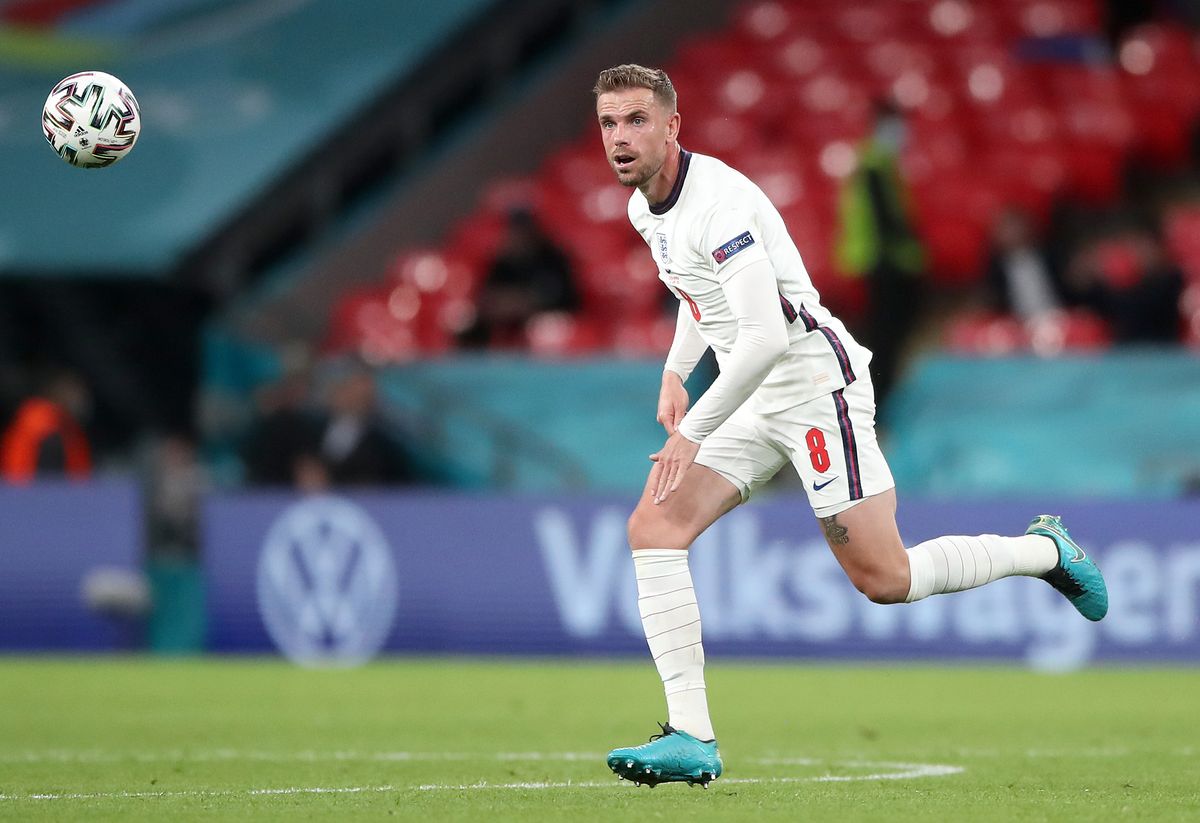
{"x":636,"y":176}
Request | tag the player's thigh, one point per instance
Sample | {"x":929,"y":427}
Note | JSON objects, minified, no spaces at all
{"x":743,"y":451}
{"x":732,"y":461}
{"x":702,"y":497}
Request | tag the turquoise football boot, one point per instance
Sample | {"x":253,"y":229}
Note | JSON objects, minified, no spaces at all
{"x":1076,"y":576}
{"x":670,"y":757}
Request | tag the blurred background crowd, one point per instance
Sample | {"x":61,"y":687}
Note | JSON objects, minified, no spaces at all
{"x":395,"y":254}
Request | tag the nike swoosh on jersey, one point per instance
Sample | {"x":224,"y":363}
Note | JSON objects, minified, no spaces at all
{"x":817,"y":487}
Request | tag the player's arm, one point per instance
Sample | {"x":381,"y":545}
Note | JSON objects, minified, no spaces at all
{"x":686,"y":350}
{"x":762,"y":339}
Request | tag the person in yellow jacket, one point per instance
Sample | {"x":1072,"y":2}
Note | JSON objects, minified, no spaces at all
{"x":876,"y":241}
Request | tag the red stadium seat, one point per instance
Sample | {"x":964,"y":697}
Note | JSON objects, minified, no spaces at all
{"x":803,"y":55}
{"x":785,"y":93}
{"x":987,"y":334}
{"x":724,"y":135}
{"x":1181,"y":227}
{"x":1095,"y":172}
{"x":960,"y":21}
{"x":1189,"y":306}
{"x":781,"y":175}
{"x":509,"y":194}
{"x":623,"y":286}
{"x":1052,"y":18}
{"x":1159,"y":71}
{"x":1153,"y":47}
{"x":767,"y":21}
{"x":703,"y":62}
{"x":644,"y":337}
{"x":376,"y":324}
{"x":1077,"y":330}
{"x":477,"y":237}
{"x":558,"y":334}
{"x":953,"y":218}
{"x":955,"y":247}
{"x":1028,"y":177}
{"x":577,"y":168}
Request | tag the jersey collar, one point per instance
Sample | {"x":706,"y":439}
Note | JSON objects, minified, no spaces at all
{"x":685,"y":160}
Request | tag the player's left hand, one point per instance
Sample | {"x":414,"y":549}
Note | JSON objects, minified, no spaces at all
{"x":670,"y":463}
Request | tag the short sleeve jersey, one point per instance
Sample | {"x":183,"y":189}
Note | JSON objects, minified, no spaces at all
{"x":714,"y":223}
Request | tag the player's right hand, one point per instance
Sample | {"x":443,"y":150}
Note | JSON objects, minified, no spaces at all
{"x":672,"y":401}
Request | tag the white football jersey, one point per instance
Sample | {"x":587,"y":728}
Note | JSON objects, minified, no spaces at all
{"x":716,"y":221}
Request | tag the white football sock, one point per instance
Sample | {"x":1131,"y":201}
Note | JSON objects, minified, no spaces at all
{"x":952,"y":564}
{"x":671,"y":620}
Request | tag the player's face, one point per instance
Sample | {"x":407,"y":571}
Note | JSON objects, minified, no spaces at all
{"x":638,"y":131}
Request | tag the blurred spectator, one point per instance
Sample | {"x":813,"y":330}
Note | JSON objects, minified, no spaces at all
{"x":284,"y":431}
{"x":177,"y":482}
{"x":1021,"y":280}
{"x":529,"y":276}
{"x":310,"y":475}
{"x":1128,"y":280}
{"x":877,"y":242}
{"x":353,"y":446}
{"x":46,"y":435}
{"x":1122,"y":15}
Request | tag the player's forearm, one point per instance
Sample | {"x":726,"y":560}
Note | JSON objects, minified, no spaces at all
{"x":688,"y":346}
{"x":762,"y":340}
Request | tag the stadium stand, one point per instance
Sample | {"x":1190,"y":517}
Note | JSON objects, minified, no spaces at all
{"x":1019,"y":102}
{"x":267,"y":126}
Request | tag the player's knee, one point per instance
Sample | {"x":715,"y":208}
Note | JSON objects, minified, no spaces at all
{"x":882,"y":584}
{"x":647,"y":529}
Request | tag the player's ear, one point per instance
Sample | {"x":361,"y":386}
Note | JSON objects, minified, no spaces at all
{"x":673,"y":127}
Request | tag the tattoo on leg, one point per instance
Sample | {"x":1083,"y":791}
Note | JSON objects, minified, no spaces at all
{"x":835,"y":532}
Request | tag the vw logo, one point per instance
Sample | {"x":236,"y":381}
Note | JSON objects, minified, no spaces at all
{"x":327,"y":583}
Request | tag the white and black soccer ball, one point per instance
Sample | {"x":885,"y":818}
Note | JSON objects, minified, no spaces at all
{"x":91,"y":119}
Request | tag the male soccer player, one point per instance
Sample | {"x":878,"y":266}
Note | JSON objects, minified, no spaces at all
{"x":793,"y":387}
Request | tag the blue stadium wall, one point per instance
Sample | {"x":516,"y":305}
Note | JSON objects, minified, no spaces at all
{"x":333,"y":580}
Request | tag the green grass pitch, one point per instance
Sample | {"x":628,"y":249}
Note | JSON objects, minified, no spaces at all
{"x":136,"y":739}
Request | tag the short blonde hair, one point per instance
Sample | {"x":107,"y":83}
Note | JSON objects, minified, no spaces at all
{"x":633,"y":76}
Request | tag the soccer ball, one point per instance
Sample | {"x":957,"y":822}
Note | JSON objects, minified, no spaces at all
{"x":91,"y":119}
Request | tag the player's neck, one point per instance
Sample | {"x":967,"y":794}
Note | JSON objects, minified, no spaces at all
{"x":658,"y":188}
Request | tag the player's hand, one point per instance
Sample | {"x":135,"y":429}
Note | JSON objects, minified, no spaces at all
{"x":670,"y":463}
{"x":672,"y":401}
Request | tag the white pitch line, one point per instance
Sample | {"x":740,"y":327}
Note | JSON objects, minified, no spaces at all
{"x":223,"y":755}
{"x":309,"y":756}
{"x":891,"y":772}
{"x":903,"y":771}
{"x":200,"y":793}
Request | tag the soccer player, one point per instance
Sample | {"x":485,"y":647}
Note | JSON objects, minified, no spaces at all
{"x":794,"y":387}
